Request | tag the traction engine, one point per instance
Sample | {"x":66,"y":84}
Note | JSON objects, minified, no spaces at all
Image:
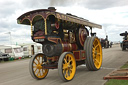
{"x":65,"y":42}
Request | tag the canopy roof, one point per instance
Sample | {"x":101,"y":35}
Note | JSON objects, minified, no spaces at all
{"x":124,"y":34}
{"x":27,"y":18}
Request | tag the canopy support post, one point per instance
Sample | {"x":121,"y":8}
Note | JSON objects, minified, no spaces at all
{"x":31,"y":28}
{"x":45,"y":22}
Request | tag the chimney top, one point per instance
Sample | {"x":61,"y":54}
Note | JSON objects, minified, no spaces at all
{"x":52,"y":9}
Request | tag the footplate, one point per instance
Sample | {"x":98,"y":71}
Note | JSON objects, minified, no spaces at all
{"x":50,"y":66}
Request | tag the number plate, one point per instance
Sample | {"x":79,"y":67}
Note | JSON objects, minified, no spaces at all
{"x":39,"y":40}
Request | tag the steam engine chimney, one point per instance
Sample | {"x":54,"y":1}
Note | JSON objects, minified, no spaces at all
{"x":52,"y":9}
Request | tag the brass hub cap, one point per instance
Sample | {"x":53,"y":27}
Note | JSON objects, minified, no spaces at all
{"x":39,"y":66}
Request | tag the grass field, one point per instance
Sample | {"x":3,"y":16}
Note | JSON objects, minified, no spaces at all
{"x":118,"y":82}
{"x":125,"y":65}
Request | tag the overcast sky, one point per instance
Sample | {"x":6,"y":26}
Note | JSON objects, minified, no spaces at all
{"x":111,"y":14}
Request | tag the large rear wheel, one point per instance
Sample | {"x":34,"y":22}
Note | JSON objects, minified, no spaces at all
{"x":93,"y":49}
{"x":67,"y":66}
{"x":35,"y":66}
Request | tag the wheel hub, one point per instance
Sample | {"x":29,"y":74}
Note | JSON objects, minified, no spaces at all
{"x":39,"y":66}
{"x":67,"y":66}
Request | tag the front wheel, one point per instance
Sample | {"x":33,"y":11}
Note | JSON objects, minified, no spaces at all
{"x":35,"y":66}
{"x":67,"y":66}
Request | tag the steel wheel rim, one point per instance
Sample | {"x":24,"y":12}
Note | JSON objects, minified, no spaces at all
{"x":97,"y":53}
{"x":38,"y":70}
{"x":69,"y":66}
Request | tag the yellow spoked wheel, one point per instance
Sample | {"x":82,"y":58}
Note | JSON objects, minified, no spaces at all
{"x":93,"y":49}
{"x":35,"y":68}
{"x":67,"y":66}
{"x":97,"y":53}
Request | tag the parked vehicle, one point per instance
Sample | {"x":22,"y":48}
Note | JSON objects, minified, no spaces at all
{"x":4,"y":56}
{"x":110,"y":44}
{"x":13,"y":50}
{"x":124,"y":43}
{"x":31,"y":49}
{"x":105,"y":42}
{"x":66,"y":43}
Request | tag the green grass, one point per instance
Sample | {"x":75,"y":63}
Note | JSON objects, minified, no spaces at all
{"x":125,"y":65}
{"x":116,"y":81}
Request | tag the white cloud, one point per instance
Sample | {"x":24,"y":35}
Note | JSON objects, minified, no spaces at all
{"x":111,"y":14}
{"x":113,"y":20}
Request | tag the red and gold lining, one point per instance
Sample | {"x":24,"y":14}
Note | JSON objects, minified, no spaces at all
{"x":79,"y":55}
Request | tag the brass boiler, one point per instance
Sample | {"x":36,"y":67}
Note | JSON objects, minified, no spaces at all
{"x":50,"y":49}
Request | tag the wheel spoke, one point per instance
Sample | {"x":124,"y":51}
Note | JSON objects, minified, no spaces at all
{"x":64,"y":66}
{"x":70,"y":71}
{"x":43,"y":71}
{"x":65,"y":60}
{"x":98,"y":53}
{"x":94,"y":42}
{"x":34,"y":66}
{"x":63,"y":71}
{"x":71,"y":67}
{"x":93,"y":49}
{"x":35,"y":70}
{"x":69,"y":58}
{"x":96,"y":46}
{"x":35,"y":62}
{"x":38,"y":72}
{"x":65,"y":74}
{"x":38,"y":60}
{"x":93,"y":55}
{"x":97,"y":61}
{"x":69,"y":62}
